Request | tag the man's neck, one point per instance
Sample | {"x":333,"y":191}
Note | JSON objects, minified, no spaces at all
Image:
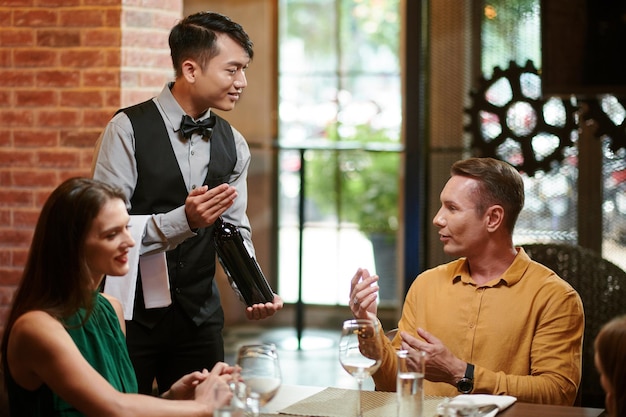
{"x":491,"y":264}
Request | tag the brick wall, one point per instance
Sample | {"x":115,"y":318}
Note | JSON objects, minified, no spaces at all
{"x":66,"y":66}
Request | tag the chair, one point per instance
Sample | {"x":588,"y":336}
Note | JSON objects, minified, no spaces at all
{"x":602,"y":288}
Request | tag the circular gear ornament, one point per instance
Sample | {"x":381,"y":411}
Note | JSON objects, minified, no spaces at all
{"x":511,"y":121}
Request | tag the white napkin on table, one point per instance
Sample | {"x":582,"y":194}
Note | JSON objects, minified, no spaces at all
{"x":501,"y":401}
{"x":154,"y":276}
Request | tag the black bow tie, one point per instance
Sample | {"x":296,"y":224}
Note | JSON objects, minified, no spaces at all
{"x":205,"y":127}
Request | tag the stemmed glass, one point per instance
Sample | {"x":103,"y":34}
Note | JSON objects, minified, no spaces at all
{"x":360,"y":351}
{"x":260,"y":370}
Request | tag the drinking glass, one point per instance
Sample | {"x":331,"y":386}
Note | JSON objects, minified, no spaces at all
{"x":409,"y":383}
{"x":260,"y":371}
{"x":360,"y":351}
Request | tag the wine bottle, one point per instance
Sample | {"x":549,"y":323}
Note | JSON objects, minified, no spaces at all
{"x":239,"y":264}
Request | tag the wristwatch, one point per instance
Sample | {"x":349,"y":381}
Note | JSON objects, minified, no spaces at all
{"x":466,"y":384}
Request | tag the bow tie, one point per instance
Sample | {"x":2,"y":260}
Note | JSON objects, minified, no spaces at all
{"x":204,"y":127}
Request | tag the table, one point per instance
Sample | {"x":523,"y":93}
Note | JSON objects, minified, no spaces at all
{"x":291,"y":394}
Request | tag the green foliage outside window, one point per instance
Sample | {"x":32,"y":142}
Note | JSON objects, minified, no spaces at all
{"x":361,"y":185}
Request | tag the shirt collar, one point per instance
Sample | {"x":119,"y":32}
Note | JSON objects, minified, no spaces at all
{"x":511,"y":276}
{"x":172,"y":110}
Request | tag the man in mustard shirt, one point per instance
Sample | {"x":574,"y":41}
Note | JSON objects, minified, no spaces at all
{"x":493,"y":321}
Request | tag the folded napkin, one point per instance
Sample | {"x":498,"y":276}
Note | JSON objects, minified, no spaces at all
{"x":338,"y":402}
{"x":477,"y":400}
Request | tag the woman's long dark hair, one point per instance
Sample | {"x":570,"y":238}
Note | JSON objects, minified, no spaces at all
{"x":56,"y":278}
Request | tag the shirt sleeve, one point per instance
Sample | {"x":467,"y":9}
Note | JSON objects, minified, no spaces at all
{"x":114,"y":163}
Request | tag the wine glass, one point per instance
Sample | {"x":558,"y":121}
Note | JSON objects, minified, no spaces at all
{"x":360,"y":351}
{"x":260,"y":370}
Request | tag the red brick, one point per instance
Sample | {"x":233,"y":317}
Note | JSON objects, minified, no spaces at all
{"x":38,"y":18}
{"x":6,"y":99}
{"x":13,"y":118}
{"x":13,"y":78}
{"x":35,"y":138}
{"x":17,"y":37}
{"x":58,"y":78}
{"x":5,"y":177}
{"x":41,"y":197}
{"x":5,"y":218}
{"x":16,"y":158}
{"x":84,"y":58}
{"x":20,"y":256}
{"x":113,"y":57}
{"x":56,"y":118}
{"x":34,"y":178}
{"x":79,"y":139}
{"x":113,"y":17}
{"x":6,"y":58}
{"x":26,"y":218}
{"x":101,"y":78}
{"x":36,"y":98}
{"x":82,"y":173}
{"x":16,"y":198}
{"x":103,"y":37}
{"x":60,"y":159}
{"x":38,"y":58}
{"x":15,"y":238}
{"x":87,"y":157}
{"x":58,"y":38}
{"x":96,"y":118}
{"x":58,"y":3}
{"x":5,"y":257}
{"x":6,"y":17}
{"x":17,"y":3}
{"x":10,"y":276}
{"x":81,"y":18}
{"x":82,"y":98}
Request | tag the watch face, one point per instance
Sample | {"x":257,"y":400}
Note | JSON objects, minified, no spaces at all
{"x":465,"y":385}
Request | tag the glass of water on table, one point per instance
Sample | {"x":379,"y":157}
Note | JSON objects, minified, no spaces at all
{"x":410,"y":383}
{"x":260,"y":372}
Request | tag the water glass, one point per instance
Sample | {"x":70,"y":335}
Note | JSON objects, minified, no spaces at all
{"x":410,"y":383}
{"x":232,"y":408}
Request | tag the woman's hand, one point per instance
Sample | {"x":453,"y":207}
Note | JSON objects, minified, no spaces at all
{"x":185,"y":387}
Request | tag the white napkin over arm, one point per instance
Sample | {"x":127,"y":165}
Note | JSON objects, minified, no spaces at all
{"x":154,"y":276}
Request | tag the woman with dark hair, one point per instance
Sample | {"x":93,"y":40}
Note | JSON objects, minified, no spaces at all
{"x":610,"y":359}
{"x":63,"y":349}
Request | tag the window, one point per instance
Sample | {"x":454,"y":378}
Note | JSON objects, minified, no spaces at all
{"x":510,"y":35}
{"x":339,"y":135}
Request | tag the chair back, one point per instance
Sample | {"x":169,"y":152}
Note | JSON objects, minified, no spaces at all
{"x":602,"y":288}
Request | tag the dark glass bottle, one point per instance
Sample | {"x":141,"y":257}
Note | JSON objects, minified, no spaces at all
{"x":239,"y":264}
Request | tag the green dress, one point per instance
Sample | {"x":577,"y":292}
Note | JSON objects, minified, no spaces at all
{"x":103,"y":345}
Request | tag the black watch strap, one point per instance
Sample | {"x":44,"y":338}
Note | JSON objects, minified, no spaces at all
{"x":466,"y":384}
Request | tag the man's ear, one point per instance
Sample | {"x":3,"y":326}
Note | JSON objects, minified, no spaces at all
{"x":189,"y":70}
{"x":495,"y":217}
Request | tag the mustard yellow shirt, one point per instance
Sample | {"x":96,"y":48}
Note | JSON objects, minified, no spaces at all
{"x":523,"y":332}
